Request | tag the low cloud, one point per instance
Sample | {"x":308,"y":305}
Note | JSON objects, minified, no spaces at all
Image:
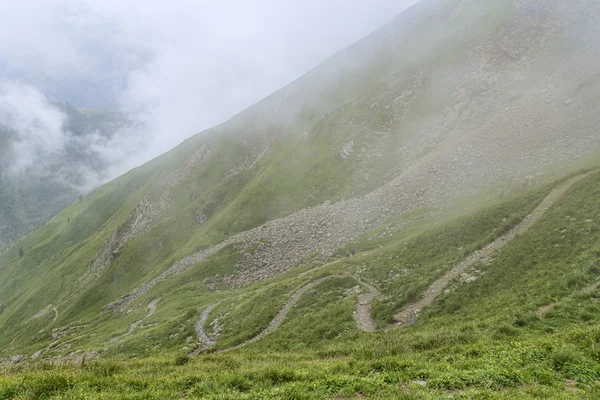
{"x":41,"y":143}
{"x":177,"y":67}
{"x":36,"y":128}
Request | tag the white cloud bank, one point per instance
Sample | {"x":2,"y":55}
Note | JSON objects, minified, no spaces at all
{"x":38,"y":126}
{"x":182,"y":65}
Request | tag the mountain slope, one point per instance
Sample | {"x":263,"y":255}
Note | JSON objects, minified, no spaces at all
{"x":491,"y":334}
{"x":452,"y":107}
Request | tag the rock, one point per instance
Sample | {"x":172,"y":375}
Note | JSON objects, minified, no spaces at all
{"x":347,"y":149}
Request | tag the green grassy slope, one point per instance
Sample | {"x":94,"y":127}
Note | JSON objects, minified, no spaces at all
{"x":484,"y":339}
{"x":233,"y":204}
{"x":382,"y":94}
{"x":401,"y":101}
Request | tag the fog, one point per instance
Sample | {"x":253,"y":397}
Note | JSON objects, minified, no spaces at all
{"x":176,"y":67}
{"x":39,"y":125}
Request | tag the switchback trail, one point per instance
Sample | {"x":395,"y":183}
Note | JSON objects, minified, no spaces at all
{"x":410,"y":313}
{"x":151,"y":309}
{"x":362,"y":315}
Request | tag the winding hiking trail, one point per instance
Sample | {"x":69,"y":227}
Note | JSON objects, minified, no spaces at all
{"x":201,"y":333}
{"x":152,"y":306}
{"x":586,"y":290}
{"x":280,"y":317}
{"x":362,"y":316}
{"x":409,"y":314}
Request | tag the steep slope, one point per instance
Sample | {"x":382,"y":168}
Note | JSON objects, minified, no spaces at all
{"x":452,"y":105}
{"x":483,"y":337}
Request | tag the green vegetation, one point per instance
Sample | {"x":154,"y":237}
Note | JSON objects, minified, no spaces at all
{"x":521,"y":324}
{"x":485,"y":339}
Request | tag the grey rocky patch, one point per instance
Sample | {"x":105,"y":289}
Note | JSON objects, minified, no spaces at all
{"x":42,"y":313}
{"x":467,"y":277}
{"x":77,"y":357}
{"x":470,"y":277}
{"x":353,"y":291}
{"x":59,"y":333}
{"x":200,"y":218}
{"x":216,"y":327}
{"x":36,"y":354}
{"x":12,"y":360}
{"x":60,"y":343}
{"x":347,"y":150}
{"x":137,"y":223}
{"x":145,"y":215}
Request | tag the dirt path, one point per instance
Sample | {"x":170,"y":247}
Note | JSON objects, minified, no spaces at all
{"x":201,"y":333}
{"x":590,"y":289}
{"x":280,"y":317}
{"x":362,"y":315}
{"x":151,"y":310}
{"x":586,"y":290}
{"x":410,"y":313}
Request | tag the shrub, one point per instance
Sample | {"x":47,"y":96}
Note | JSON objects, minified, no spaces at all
{"x":526,"y":319}
{"x":182,"y":360}
{"x":505,"y":330}
{"x":44,"y":386}
{"x":580,"y":372}
{"x":105,"y":369}
{"x":566,"y":355}
{"x":279,"y":376}
{"x":296,"y":391}
{"x":237,"y":382}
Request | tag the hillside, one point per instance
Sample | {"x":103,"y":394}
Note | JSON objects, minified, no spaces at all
{"x":31,"y":196}
{"x":416,"y":217}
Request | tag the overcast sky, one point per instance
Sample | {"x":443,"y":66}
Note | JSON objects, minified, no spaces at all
{"x":188,"y":64}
